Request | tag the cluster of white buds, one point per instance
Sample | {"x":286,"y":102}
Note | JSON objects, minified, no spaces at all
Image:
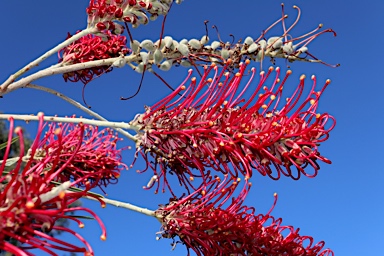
{"x":273,"y":47}
{"x":104,"y":14}
{"x":168,"y":52}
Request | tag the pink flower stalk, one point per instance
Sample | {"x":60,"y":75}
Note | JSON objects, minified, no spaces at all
{"x":30,"y":205}
{"x":89,"y":48}
{"x":79,"y":153}
{"x":215,"y":125}
{"x":204,"y":223}
{"x":102,"y":12}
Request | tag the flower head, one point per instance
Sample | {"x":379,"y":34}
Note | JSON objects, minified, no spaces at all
{"x":215,"y":125}
{"x":89,"y":48}
{"x":31,"y":203}
{"x":102,"y":12}
{"x":204,"y":224}
{"x":79,"y":153}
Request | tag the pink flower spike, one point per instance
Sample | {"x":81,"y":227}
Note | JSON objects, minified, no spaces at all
{"x":220,"y":125}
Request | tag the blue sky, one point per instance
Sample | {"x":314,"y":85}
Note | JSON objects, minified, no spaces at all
{"x":343,"y":205}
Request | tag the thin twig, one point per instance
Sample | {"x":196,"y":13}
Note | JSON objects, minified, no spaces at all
{"x":124,"y":205}
{"x":77,"y":105}
{"x":67,"y":99}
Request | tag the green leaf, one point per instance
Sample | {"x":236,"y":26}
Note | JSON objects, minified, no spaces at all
{"x":4,"y":144}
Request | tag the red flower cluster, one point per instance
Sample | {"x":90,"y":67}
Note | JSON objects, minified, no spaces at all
{"x":80,"y":153}
{"x":203,"y":224}
{"x":89,"y":48}
{"x":31,"y":201}
{"x":212,"y":126}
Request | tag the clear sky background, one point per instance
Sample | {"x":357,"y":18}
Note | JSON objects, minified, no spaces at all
{"x":343,"y":205}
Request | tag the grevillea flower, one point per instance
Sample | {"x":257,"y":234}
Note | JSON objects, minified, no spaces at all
{"x":203,"y":223}
{"x":79,"y":153}
{"x":215,"y":125}
{"x":31,"y":203}
{"x":102,"y":12}
{"x":89,"y":48}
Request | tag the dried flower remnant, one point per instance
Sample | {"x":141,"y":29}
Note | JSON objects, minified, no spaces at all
{"x":30,"y":205}
{"x":202,"y":223}
{"x":79,"y":153}
{"x":89,"y":48}
{"x":213,"y":127}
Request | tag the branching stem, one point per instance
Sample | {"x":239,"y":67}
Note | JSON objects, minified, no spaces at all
{"x":52,"y":51}
{"x":61,"y":70}
{"x":113,"y":125}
